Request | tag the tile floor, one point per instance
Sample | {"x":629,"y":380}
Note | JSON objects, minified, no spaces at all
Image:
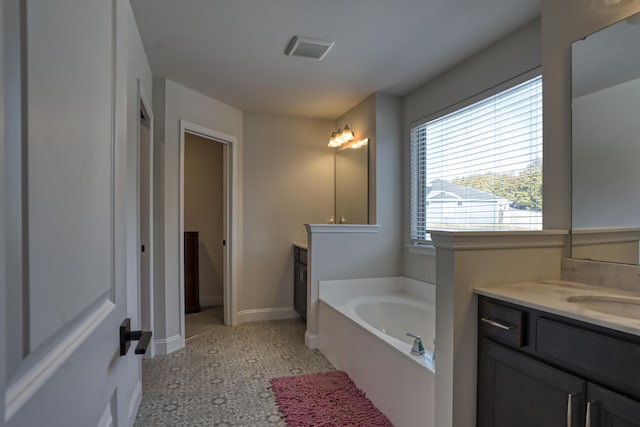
{"x":197,"y":323}
{"x":221,"y":377}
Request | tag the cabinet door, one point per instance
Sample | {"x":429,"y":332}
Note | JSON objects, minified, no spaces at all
{"x":609,"y":409}
{"x":516,"y":390}
{"x":300,"y":289}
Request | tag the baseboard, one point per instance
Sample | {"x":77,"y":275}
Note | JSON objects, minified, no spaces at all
{"x":211,"y":300}
{"x":134,"y":404}
{"x":312,"y":341}
{"x":168,"y":345}
{"x":261,"y":314}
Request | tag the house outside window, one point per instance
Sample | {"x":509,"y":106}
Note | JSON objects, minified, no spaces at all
{"x":480,"y":167}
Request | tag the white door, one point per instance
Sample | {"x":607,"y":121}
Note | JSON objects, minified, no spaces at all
{"x":63,"y":171}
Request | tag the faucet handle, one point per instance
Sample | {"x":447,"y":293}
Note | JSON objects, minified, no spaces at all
{"x":417,"y":349}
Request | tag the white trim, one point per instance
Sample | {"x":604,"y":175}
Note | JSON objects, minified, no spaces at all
{"x":211,"y":300}
{"x":106,"y":420}
{"x":342,"y":228}
{"x":143,"y":102}
{"x":168,"y":345}
{"x":421,"y":249}
{"x":134,"y":403}
{"x":312,"y":341}
{"x":608,"y":235}
{"x":26,"y":385}
{"x":469,"y":240}
{"x":260,"y":314}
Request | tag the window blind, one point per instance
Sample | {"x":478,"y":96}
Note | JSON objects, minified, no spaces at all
{"x":480,"y":167}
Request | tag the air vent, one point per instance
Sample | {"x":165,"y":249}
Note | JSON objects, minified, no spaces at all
{"x":308,"y":47}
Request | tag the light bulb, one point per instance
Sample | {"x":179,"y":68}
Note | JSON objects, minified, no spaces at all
{"x":347,"y":134}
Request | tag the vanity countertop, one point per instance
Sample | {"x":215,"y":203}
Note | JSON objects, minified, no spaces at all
{"x":551,"y":296}
{"x":301,"y":245}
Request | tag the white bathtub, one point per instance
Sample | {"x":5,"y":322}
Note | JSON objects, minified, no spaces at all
{"x":362,"y":327}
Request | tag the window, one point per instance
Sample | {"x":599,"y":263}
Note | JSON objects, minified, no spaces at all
{"x":480,"y":167}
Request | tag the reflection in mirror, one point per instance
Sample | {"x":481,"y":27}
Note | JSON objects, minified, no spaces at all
{"x":606,"y":144}
{"x":352,"y":185}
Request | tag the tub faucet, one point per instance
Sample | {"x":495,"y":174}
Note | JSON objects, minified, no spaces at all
{"x":418,"y":348}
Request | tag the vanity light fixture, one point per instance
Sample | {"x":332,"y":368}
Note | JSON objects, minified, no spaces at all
{"x":359,"y":144}
{"x":341,"y":136}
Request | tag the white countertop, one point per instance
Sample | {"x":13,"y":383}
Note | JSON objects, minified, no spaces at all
{"x":301,"y":245}
{"x":551,"y":296}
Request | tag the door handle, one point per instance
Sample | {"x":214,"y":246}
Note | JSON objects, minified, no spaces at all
{"x":127,"y":335}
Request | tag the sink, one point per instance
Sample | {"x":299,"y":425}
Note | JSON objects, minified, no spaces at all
{"x":628,"y":307}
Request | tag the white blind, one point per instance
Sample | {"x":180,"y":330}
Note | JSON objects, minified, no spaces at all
{"x":480,"y":167}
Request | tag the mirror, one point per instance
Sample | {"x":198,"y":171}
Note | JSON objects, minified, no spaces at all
{"x":352,"y":185}
{"x":606,"y":144}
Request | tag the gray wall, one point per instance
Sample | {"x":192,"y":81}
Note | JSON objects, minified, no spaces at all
{"x":174,"y":102}
{"x":288,"y":181}
{"x":338,"y":255}
{"x":514,"y":55}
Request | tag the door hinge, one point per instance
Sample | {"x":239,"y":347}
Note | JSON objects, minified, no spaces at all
{"x":224,"y":243}
{"x":142,"y":248}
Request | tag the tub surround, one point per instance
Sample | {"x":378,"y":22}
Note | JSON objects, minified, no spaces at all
{"x":402,"y":386}
{"x":343,"y":251}
{"x":364,"y":300}
{"x":551,"y":296}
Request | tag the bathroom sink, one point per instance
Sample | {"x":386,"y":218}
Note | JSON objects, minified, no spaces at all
{"x":628,"y":307}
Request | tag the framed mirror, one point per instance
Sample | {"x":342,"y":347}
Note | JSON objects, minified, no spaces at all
{"x":606,"y":144}
{"x":352,"y":185}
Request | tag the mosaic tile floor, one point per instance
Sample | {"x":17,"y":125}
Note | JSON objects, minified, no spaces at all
{"x":221,"y":378}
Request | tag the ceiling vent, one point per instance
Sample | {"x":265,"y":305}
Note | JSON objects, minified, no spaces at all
{"x":308,"y":47}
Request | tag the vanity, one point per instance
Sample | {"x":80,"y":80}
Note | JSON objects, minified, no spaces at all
{"x":553,"y":354}
{"x":561,"y":353}
{"x":300,"y":280}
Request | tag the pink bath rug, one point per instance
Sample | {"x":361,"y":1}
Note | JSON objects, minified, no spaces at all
{"x":329,"y":399}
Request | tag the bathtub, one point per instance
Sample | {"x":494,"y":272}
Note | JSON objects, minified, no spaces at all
{"x":362,"y":328}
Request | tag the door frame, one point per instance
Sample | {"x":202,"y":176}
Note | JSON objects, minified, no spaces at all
{"x":143,"y":104}
{"x":229,"y":285}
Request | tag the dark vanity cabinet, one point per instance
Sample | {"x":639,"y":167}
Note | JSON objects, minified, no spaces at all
{"x":300,"y":281}
{"x":537,"y":369}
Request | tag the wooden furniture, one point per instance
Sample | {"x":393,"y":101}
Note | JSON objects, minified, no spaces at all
{"x":191,"y":273}
{"x":539,"y":369}
{"x":300,"y":281}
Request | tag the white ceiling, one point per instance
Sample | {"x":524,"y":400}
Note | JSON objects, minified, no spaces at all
{"x":233,"y":50}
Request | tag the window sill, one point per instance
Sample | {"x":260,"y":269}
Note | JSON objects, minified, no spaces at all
{"x":422,"y":249}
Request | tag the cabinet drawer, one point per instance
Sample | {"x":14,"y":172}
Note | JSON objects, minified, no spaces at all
{"x":501,"y":323}
{"x":609,"y":360}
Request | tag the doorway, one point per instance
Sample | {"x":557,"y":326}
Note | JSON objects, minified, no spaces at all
{"x":204,"y":224}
